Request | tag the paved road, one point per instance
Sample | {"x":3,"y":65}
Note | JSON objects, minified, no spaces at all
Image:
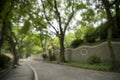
{"x":22,"y":72}
{"x":47,"y":71}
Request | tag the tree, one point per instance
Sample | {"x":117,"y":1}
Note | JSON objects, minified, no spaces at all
{"x":13,"y":49}
{"x":5,"y":24}
{"x":16,"y":42}
{"x":86,"y":33}
{"x":91,"y":17}
{"x":76,"y":43}
{"x":56,"y":43}
{"x":101,"y":32}
{"x":5,"y":11}
{"x":31,"y":44}
{"x":112,"y":24}
{"x":8,"y":9}
{"x":53,"y":12}
{"x":40,"y":26}
{"x":69,"y":37}
{"x":31,"y":18}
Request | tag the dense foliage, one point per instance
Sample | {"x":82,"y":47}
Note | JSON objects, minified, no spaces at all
{"x":94,"y":60}
{"x":76,"y":43}
{"x":4,"y":61}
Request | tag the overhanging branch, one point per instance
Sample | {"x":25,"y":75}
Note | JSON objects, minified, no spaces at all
{"x":69,"y":17}
{"x":47,"y":17}
{"x":58,"y":14}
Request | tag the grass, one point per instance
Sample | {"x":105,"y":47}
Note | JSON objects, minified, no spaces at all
{"x":102,"y":66}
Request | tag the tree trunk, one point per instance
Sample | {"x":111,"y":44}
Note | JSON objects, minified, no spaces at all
{"x":42,"y":44}
{"x":62,"y":49}
{"x":111,"y":24}
{"x":112,"y":55}
{"x":13,"y":50}
{"x":2,"y":28}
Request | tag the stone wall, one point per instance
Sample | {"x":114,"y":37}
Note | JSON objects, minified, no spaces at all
{"x":82,"y":53}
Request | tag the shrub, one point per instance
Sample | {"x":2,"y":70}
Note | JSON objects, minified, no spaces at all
{"x":76,"y":43}
{"x":90,"y":38}
{"x":53,"y":57}
{"x":103,"y":66}
{"x":94,"y":60}
{"x":4,"y":60}
{"x":44,"y":56}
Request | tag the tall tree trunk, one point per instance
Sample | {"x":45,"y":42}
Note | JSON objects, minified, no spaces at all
{"x":4,"y":19}
{"x":2,"y":32}
{"x":15,"y":55}
{"x":13,"y":50}
{"x":42,"y":44}
{"x":1,"y":36}
{"x":2,"y":28}
{"x":112,"y":55}
{"x":62,"y":49}
{"x":110,"y":26}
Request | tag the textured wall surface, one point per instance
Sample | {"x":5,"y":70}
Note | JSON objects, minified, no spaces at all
{"x":82,"y":53}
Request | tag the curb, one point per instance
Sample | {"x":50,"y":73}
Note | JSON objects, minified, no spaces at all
{"x":34,"y":72}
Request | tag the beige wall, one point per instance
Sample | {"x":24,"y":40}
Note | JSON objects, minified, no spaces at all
{"x":82,"y":53}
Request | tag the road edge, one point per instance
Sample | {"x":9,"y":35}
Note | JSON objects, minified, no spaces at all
{"x":34,"y":72}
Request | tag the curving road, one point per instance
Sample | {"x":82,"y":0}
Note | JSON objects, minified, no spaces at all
{"x":47,"y":71}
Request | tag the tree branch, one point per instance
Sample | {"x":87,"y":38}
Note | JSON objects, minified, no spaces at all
{"x":109,"y":15}
{"x":47,"y":17}
{"x":50,"y":3}
{"x":58,"y":14}
{"x":53,"y":9}
{"x":69,"y":18}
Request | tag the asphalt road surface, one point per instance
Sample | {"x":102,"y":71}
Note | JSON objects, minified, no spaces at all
{"x":48,"y":71}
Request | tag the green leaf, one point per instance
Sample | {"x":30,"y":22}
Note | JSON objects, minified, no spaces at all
{"x":25,"y":28}
{"x":80,"y":6}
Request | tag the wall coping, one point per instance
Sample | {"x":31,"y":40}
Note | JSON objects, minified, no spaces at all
{"x":97,"y":45}
{"x":91,"y":46}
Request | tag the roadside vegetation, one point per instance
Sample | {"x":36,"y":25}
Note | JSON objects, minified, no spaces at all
{"x":4,"y":62}
{"x":95,"y":63}
{"x":103,"y":66}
